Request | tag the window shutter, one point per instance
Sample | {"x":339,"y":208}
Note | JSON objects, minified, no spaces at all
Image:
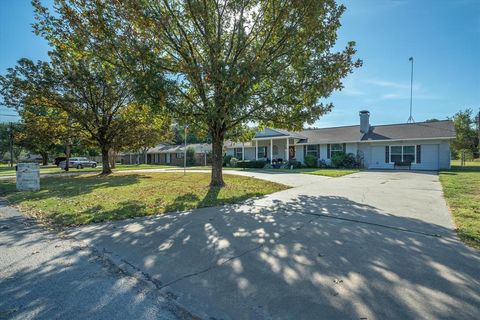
{"x":419,"y":153}
{"x":304,"y":150}
{"x":328,"y":151}
{"x":345,"y":148}
{"x":318,"y":151}
{"x":387,"y":154}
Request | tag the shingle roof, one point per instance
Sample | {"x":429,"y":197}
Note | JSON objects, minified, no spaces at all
{"x":270,"y":133}
{"x":169,"y":148}
{"x":404,"y":131}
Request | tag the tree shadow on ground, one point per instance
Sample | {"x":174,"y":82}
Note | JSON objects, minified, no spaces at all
{"x":315,"y":257}
{"x":70,"y":282}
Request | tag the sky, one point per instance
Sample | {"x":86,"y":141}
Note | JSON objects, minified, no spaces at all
{"x":443,"y":37}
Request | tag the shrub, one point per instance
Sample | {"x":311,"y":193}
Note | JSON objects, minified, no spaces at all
{"x":190,"y":156}
{"x":322,"y":164}
{"x":233,"y":162}
{"x":337,"y":159}
{"x":343,"y":160}
{"x":226,"y":159}
{"x":291,"y":164}
{"x":268,"y":166}
{"x":350,"y":162}
{"x":251,"y":164}
{"x":310,"y":161}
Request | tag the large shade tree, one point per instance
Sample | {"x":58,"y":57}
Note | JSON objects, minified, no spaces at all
{"x":217,"y":64}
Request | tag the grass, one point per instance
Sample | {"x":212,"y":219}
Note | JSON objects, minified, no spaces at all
{"x":315,"y":171}
{"x":321,"y":172}
{"x":82,"y":199}
{"x":461,"y":187}
{"x":5,"y":170}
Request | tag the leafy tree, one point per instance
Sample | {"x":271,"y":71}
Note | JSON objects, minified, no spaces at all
{"x":144,"y":129}
{"x":218,"y":64}
{"x":4,"y":139}
{"x":42,"y":130}
{"x":466,"y":136}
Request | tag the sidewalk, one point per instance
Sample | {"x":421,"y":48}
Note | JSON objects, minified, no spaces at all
{"x":46,"y":277}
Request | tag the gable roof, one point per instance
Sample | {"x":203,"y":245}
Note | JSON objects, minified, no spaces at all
{"x":404,"y":131}
{"x":271,"y":133}
{"x":174,"y":148}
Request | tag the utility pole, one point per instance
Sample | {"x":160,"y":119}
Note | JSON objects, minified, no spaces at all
{"x":10,"y":131}
{"x":410,"y":119}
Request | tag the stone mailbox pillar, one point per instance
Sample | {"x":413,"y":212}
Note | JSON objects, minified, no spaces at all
{"x":28,"y":177}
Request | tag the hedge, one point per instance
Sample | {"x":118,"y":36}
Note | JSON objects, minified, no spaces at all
{"x":251,"y":164}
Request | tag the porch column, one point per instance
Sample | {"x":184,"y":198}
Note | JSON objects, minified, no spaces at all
{"x":287,"y":153}
{"x":243,"y":150}
{"x":271,"y":151}
{"x":256,"y":149}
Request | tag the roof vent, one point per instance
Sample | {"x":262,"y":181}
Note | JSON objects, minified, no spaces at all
{"x":364,"y":121}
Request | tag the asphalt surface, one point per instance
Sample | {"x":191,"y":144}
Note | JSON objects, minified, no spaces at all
{"x":371,"y":245}
{"x":44,"y":276}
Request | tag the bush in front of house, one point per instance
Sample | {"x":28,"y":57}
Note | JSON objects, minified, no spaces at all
{"x":233,"y":162}
{"x":343,"y":160}
{"x":322,"y":164}
{"x":267,"y":166}
{"x":310,"y":161}
{"x":190,"y":156}
{"x":294,"y":164}
{"x":259,"y":164}
{"x":226,"y":160}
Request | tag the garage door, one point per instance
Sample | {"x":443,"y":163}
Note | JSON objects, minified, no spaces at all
{"x":429,"y":160}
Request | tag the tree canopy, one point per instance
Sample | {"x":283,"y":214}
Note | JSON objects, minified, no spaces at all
{"x":217,"y":65}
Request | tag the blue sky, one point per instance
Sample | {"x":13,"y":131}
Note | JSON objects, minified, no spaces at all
{"x":443,"y":36}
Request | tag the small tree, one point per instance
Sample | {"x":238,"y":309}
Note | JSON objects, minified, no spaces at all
{"x":191,"y":161}
{"x":42,"y":130}
{"x":466,"y":136}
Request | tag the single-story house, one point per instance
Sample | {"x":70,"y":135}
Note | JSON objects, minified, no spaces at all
{"x":426,"y":145}
{"x":167,"y":154}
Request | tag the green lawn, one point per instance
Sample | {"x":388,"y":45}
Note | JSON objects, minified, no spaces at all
{"x":461,"y":187}
{"x":315,"y":171}
{"x":7,"y":171}
{"x":321,"y":172}
{"x":82,"y":199}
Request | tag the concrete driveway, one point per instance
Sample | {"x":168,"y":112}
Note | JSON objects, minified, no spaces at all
{"x":371,"y":245}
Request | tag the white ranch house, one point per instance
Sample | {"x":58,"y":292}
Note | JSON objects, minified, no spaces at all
{"x":426,"y":145}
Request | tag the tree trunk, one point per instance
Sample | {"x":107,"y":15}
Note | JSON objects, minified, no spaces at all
{"x":113,"y":158}
{"x":44,"y":159}
{"x":217,"y":159}
{"x":105,"y":161}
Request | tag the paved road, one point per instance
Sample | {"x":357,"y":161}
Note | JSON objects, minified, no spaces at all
{"x":43,"y":276}
{"x":371,"y":245}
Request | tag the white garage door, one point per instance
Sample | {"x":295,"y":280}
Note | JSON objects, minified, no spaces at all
{"x":429,"y":158}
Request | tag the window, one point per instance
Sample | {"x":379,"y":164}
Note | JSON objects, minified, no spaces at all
{"x":312,"y":150}
{"x":179,"y":155}
{"x":336,"y":148}
{"x":402,"y":154}
{"x":237,"y":153}
{"x":262,"y":152}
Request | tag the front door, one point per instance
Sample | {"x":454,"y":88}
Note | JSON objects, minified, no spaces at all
{"x":291,"y":152}
{"x":167,"y":158}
